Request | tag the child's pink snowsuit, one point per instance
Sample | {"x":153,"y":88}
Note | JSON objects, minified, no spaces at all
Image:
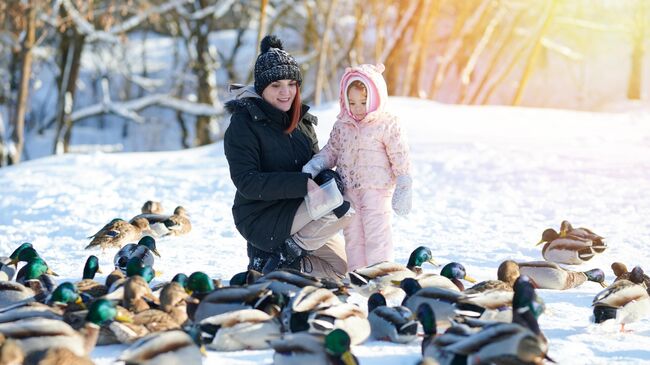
{"x":369,"y":155}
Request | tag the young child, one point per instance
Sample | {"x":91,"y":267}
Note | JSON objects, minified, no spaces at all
{"x":370,"y":153}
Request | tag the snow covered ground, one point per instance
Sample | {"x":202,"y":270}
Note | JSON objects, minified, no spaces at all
{"x":487,"y":182}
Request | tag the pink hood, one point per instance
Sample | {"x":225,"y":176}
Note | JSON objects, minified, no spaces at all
{"x":371,"y":76}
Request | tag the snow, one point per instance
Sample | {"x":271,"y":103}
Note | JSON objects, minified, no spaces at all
{"x":487,"y":182}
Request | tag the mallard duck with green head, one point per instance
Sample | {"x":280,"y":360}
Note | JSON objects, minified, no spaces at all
{"x":162,"y":348}
{"x":145,"y":250}
{"x":87,"y":284}
{"x":382,"y":276}
{"x":394,"y":324}
{"x":303,"y":348}
{"x":119,"y":232}
{"x":199,"y":285}
{"x":63,"y":297}
{"x":39,"y":334}
{"x":449,"y":278}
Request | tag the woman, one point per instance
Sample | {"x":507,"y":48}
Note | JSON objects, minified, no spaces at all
{"x":270,"y":137}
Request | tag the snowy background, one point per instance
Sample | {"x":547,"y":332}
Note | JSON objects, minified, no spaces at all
{"x":487,"y":182}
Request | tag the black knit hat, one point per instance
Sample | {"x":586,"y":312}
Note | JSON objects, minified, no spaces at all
{"x":273,"y":64}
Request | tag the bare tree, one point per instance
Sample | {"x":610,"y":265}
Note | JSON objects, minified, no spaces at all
{"x":18,"y":135}
{"x":530,"y":63}
{"x":640,"y":23}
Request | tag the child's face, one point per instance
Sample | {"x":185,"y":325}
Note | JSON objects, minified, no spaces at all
{"x":357,"y":102}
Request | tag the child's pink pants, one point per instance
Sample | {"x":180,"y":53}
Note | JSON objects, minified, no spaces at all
{"x":368,"y":237}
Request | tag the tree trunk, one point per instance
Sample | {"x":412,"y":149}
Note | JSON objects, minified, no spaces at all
{"x":70,"y":49}
{"x":505,"y":43}
{"x":323,"y":51}
{"x":262,"y":25}
{"x":414,"y":47}
{"x":468,"y":70}
{"x":203,"y":69}
{"x":636,"y":62}
{"x":451,"y":47}
{"x":530,"y":63}
{"x":427,"y":45}
{"x":18,"y":135}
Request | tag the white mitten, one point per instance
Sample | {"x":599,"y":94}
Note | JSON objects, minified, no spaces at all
{"x":402,"y":197}
{"x":314,"y":166}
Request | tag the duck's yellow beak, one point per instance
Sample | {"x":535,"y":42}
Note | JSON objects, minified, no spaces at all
{"x":14,"y":262}
{"x":123,"y":318}
{"x":50,"y":272}
{"x":158,"y":273}
{"x":540,"y":242}
{"x":433,"y":262}
{"x":348,"y":359}
{"x":603,"y":284}
{"x":80,"y":303}
{"x":470,"y":279}
{"x":99,"y":270}
{"x":155,"y":252}
{"x":396,"y":282}
{"x":204,"y":352}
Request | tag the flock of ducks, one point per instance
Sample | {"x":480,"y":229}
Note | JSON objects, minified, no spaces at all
{"x":304,"y":319}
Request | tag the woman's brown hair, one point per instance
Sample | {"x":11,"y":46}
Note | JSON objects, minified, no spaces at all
{"x":295,"y":112}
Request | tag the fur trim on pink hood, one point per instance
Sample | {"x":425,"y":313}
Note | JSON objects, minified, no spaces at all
{"x":371,"y":76}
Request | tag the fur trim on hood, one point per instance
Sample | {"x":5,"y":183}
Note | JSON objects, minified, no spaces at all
{"x":371,"y":76}
{"x":239,"y":95}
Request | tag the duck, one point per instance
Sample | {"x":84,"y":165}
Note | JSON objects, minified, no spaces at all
{"x":118,"y":232}
{"x":295,"y":315}
{"x":87,"y":284}
{"x":176,"y":224}
{"x":442,"y":301}
{"x":346,"y":316}
{"x":549,"y":275}
{"x":394,"y":324}
{"x":305,"y":348}
{"x":145,"y":249}
{"x":620,"y":270}
{"x":382,"y":276}
{"x":65,"y":297}
{"x":39,"y":334}
{"x":152,"y":207}
{"x":492,"y":298}
{"x":243,"y":329}
{"x":37,"y":276}
{"x":289,"y":281}
{"x":520,"y":341}
{"x":625,"y":301}
{"x":449,"y":278}
{"x":227,"y":299}
{"x":568,"y":250}
{"x":14,"y":255}
{"x":567,"y":230}
{"x":169,"y":347}
{"x":174,"y":298}
{"x":10,"y":352}
{"x":7,"y":272}
{"x":199,"y":285}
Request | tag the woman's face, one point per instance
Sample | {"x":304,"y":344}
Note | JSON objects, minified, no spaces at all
{"x":357,"y":102}
{"x":281,"y":93}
